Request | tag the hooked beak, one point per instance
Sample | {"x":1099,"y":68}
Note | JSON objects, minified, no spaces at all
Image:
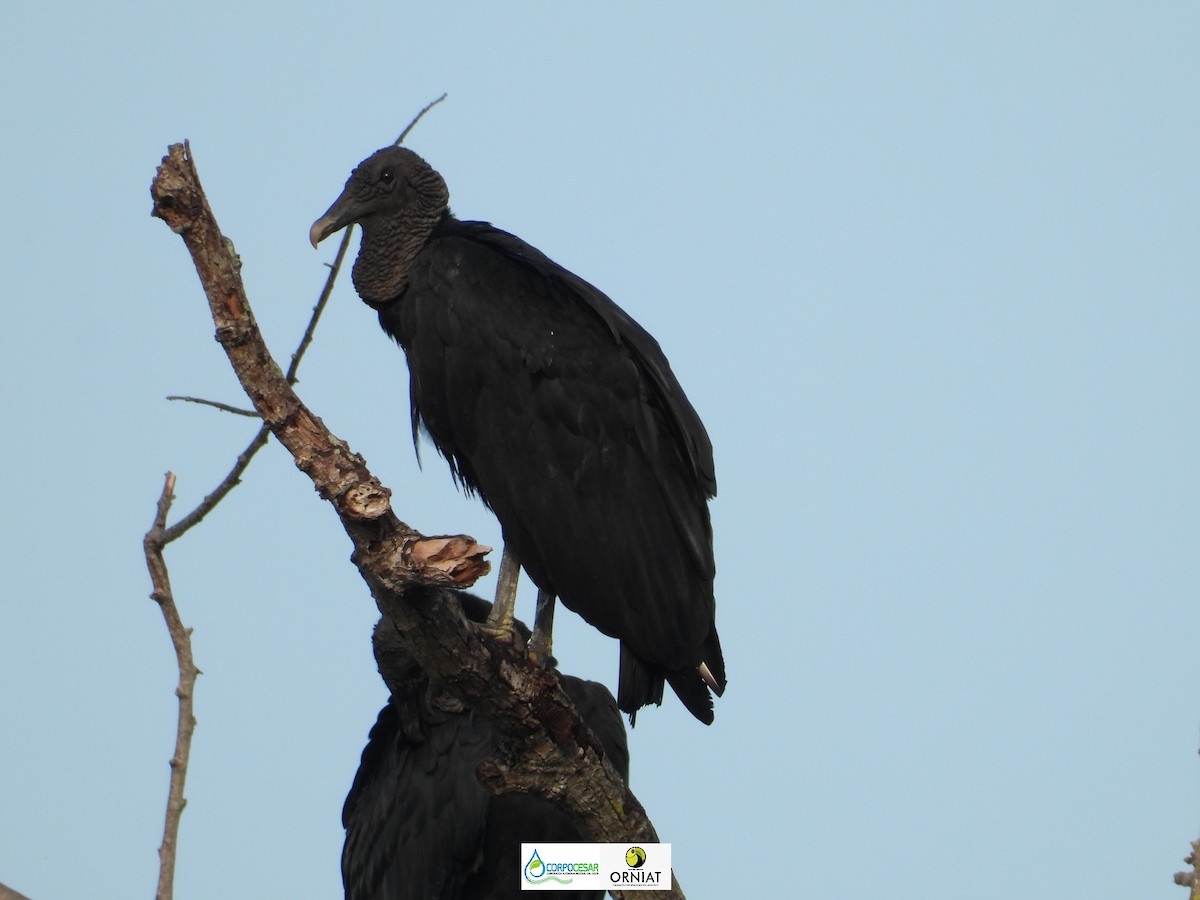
{"x":321,"y":229}
{"x":336,"y":218}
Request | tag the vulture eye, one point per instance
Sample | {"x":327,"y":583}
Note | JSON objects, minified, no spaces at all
{"x":387,"y":176}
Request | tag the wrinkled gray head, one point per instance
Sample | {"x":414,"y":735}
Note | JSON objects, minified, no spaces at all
{"x":397,"y":198}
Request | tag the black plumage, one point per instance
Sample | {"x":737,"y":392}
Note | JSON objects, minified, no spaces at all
{"x":560,"y":411}
{"x":419,"y":826}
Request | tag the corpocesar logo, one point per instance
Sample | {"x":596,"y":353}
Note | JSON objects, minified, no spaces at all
{"x":538,"y":871}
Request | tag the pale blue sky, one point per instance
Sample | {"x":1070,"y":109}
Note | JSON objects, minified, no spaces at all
{"x":930,"y":275}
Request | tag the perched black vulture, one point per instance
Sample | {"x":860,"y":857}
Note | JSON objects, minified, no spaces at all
{"x":560,"y":411}
{"x":419,"y":826}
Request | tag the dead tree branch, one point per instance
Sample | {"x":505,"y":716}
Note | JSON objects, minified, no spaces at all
{"x":7,"y":893}
{"x":155,"y":541}
{"x":154,"y":544}
{"x":418,"y":117}
{"x":223,"y":407}
{"x":1191,"y":878}
{"x":218,"y":493}
{"x":549,"y":750}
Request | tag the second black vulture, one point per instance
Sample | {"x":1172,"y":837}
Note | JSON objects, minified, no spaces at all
{"x":561,"y":411}
{"x":419,"y":826}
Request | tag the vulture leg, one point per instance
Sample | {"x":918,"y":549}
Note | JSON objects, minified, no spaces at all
{"x":543,"y":630}
{"x":500,"y":620}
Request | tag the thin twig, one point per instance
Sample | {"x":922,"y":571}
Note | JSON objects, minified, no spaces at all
{"x":224,"y":407}
{"x":153,"y":544}
{"x":320,"y":307}
{"x":232,"y":480}
{"x":7,"y":893}
{"x":336,"y":267}
{"x":413,"y":124}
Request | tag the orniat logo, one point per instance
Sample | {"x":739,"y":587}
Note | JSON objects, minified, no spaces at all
{"x":537,"y":871}
{"x":635,"y":858}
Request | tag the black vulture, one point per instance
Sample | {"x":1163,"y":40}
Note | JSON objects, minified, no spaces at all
{"x":560,"y":411}
{"x":419,"y":826}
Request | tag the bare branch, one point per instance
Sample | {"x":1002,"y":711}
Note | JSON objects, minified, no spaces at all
{"x":543,"y":730}
{"x":418,"y":117}
{"x":153,"y":543}
{"x":322,"y":301}
{"x":243,"y":461}
{"x":7,"y":893}
{"x":336,"y":267}
{"x":224,"y":407}
{"x":1191,"y":879}
{"x":442,"y":555}
{"x":232,"y":480}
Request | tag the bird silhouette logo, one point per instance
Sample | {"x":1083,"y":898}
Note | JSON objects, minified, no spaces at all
{"x":635,"y":857}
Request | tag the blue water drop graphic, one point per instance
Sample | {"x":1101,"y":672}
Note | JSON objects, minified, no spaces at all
{"x":535,"y":867}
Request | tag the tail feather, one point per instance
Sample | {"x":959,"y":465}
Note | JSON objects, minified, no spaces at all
{"x":641,"y":684}
{"x":637,"y":685}
{"x":691,"y":689}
